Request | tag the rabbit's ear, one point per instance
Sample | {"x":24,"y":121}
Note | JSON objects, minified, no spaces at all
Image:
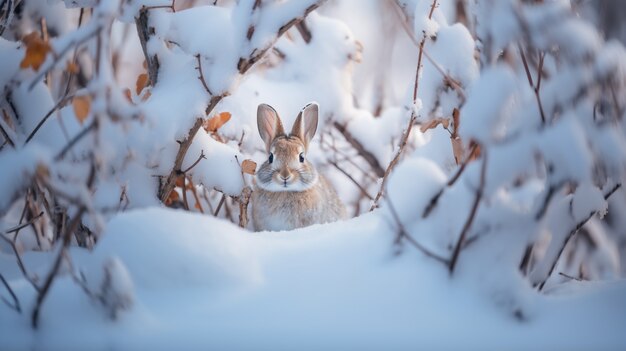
{"x":306,"y":123}
{"x":269,"y":124}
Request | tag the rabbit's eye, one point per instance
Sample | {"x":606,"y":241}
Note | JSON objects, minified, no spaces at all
{"x":301,"y":157}
{"x":271,"y":159}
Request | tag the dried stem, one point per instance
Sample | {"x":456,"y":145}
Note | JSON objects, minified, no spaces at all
{"x":201,"y":75}
{"x":358,"y":185}
{"x":56,"y":266}
{"x":530,"y":80}
{"x":16,"y":252}
{"x":435,"y":199}
{"x":407,"y":132}
{"x":470,"y":218}
{"x":244,"y":200}
{"x":404,"y":234}
{"x":367,"y":156}
{"x":571,"y":234}
{"x":16,"y":303}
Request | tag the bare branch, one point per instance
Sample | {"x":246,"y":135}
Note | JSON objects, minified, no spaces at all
{"x":201,"y":75}
{"x":571,"y":234}
{"x":144,"y":31}
{"x":404,"y":234}
{"x":16,"y":303}
{"x":367,"y":156}
{"x":471,"y":216}
{"x":244,"y":200}
{"x":407,"y":132}
{"x":56,"y":266}
{"x":361,"y":188}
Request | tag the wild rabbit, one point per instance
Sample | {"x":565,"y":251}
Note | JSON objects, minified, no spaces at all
{"x":289,"y":193}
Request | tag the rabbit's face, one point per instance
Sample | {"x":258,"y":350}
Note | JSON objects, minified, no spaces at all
{"x":287,"y":168}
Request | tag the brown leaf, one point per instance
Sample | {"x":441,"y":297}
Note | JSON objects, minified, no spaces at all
{"x":433,"y":123}
{"x":214,"y":123}
{"x":457,"y":149}
{"x":128,"y":94}
{"x":248,"y":166}
{"x":174,"y":197}
{"x":179,"y":181}
{"x":456,"y":114}
{"x":146,"y":96}
{"x":36,"y":51}
{"x":142,"y":80}
{"x":72,"y":68}
{"x":82,"y":105}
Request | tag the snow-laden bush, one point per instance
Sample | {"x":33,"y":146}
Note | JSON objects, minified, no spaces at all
{"x":109,"y":106}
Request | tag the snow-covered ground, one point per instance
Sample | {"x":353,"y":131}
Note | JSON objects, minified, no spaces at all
{"x":202,"y":283}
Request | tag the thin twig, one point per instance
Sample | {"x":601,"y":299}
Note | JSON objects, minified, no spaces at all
{"x":219,"y":206}
{"x":200,"y":158}
{"x":407,"y":132}
{"x":16,"y":302}
{"x":409,"y":31}
{"x":573,"y":232}
{"x":435,"y":199}
{"x":361,"y":188}
{"x":470,"y":217}
{"x":404,"y":234}
{"x":58,"y":105}
{"x":76,"y":139}
{"x":201,"y":76}
{"x":569,"y":276}
{"x":366,"y":155}
{"x":530,"y":80}
{"x":55,"y":267}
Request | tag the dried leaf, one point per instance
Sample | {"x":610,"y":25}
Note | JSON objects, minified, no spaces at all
{"x":214,"y":123}
{"x":146,"y":96}
{"x":174,"y":197}
{"x":456,"y":114}
{"x":179,"y":181}
{"x":457,"y":149}
{"x":142,"y":80}
{"x":445,"y":122}
{"x":82,"y":105}
{"x":128,"y":95}
{"x":36,"y":51}
{"x":248,"y":167}
{"x":72,"y":68}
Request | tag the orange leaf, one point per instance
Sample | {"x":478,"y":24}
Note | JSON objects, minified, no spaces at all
{"x":127,"y":93}
{"x":214,"y":123}
{"x":72,"y":68}
{"x":82,"y":105}
{"x":433,"y":123}
{"x":248,"y":166}
{"x":146,"y":96}
{"x":174,"y":197}
{"x":36,"y":51}
{"x":142,"y":80}
{"x":179,"y":181}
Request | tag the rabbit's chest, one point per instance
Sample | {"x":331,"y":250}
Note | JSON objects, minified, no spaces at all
{"x":286,"y":211}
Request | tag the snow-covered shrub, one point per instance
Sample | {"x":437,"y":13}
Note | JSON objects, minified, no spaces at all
{"x":110,"y":106}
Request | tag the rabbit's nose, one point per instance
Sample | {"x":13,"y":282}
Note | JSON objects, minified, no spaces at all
{"x":285,"y":177}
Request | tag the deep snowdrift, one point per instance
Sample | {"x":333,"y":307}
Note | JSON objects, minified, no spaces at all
{"x":202,"y":283}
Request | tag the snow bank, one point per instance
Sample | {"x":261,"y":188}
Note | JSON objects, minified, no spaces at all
{"x":203,"y":283}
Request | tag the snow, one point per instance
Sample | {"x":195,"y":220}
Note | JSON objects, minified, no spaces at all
{"x":156,"y":277}
{"x":339,"y":280}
